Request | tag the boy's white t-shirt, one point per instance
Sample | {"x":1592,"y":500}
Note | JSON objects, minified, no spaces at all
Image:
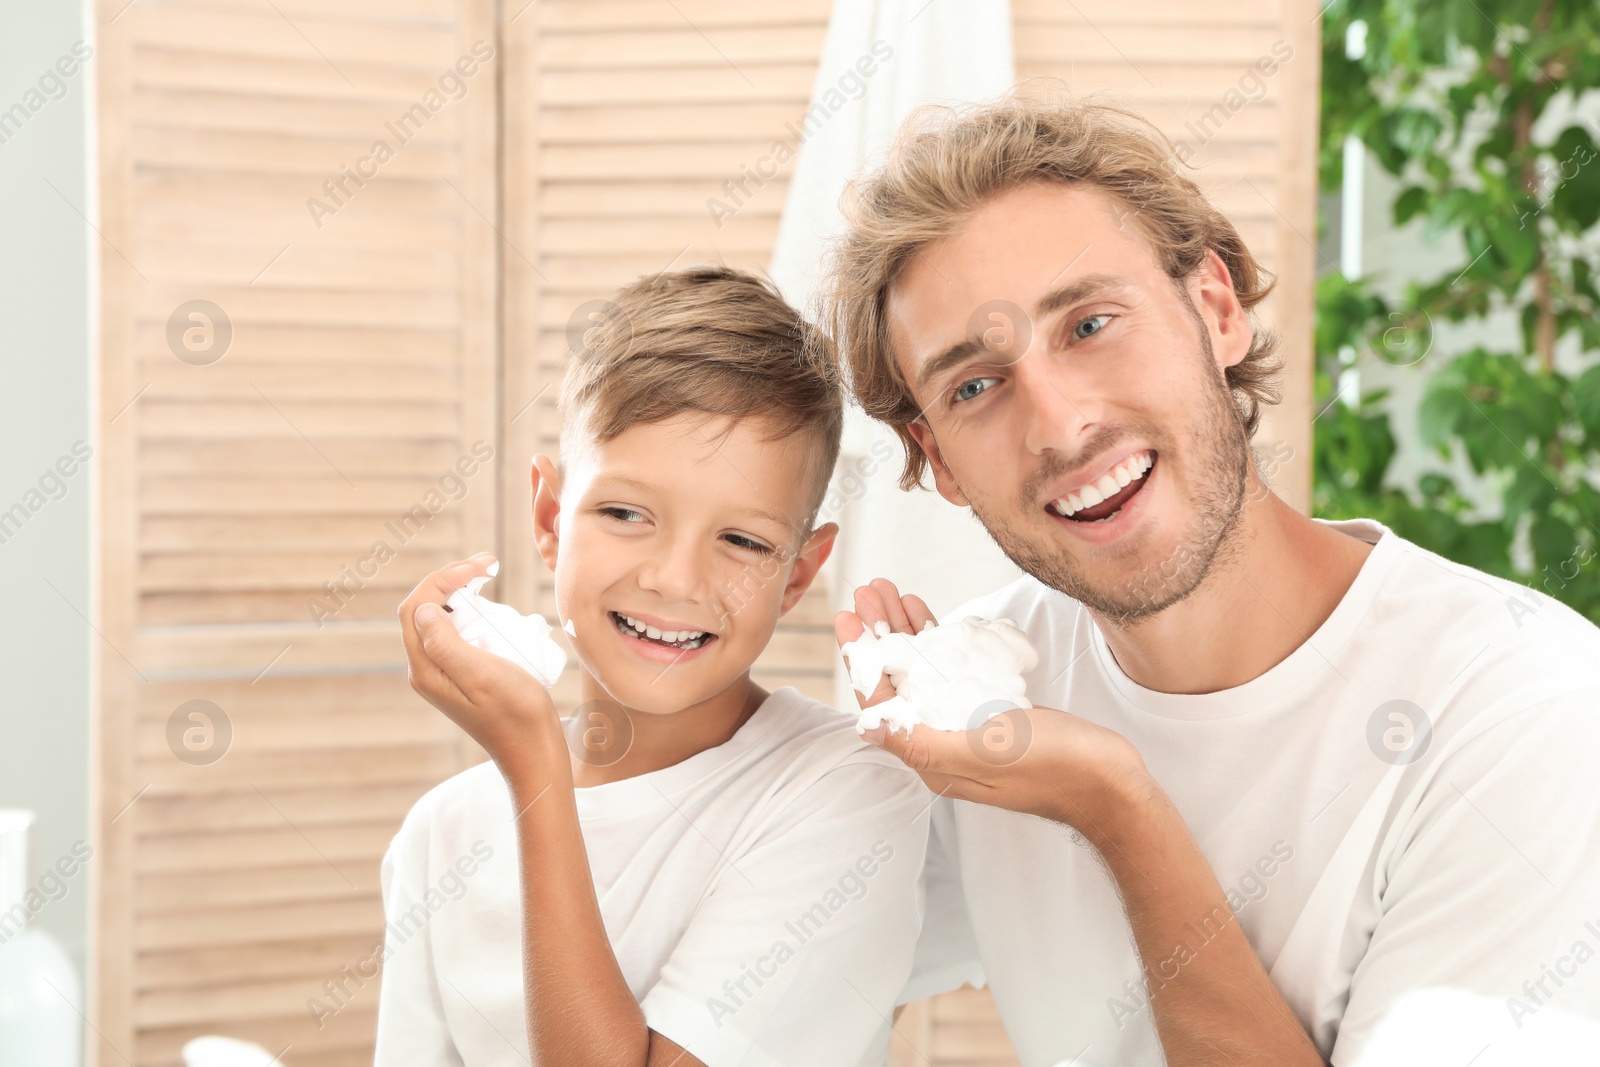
{"x":762,"y":898}
{"x":1404,"y":813}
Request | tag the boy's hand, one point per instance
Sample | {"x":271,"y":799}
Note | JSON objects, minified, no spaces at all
{"x":501,"y":705}
{"x":1034,"y":760}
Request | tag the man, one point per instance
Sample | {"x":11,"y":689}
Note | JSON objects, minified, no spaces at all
{"x":1337,"y":788}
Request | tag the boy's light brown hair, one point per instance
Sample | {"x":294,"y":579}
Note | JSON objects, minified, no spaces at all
{"x":713,"y":341}
{"x":946,"y":162}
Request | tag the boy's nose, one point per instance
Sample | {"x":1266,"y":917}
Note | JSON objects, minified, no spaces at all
{"x":677,"y":575}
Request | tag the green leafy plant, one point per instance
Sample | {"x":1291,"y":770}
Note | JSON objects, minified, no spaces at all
{"x":1448,"y":97}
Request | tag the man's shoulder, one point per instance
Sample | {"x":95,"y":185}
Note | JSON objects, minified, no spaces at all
{"x":1438,"y":602}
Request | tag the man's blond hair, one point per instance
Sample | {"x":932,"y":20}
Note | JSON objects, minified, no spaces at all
{"x":713,"y":341}
{"x":946,"y":162}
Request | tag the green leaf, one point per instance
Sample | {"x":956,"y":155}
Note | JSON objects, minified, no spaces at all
{"x":1586,"y":400}
{"x":1409,"y":204}
{"x":1554,"y":544}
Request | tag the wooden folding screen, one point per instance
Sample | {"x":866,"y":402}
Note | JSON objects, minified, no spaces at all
{"x":325,"y":365}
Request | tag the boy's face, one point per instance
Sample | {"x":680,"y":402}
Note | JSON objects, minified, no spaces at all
{"x":689,"y":534}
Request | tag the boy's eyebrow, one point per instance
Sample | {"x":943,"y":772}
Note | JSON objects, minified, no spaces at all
{"x":747,"y":509}
{"x":1073,"y":293}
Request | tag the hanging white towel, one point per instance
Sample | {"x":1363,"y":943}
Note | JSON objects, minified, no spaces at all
{"x":881,"y":59}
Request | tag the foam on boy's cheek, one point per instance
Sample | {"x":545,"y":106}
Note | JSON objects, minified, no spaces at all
{"x":951,"y":677}
{"x":501,"y":629}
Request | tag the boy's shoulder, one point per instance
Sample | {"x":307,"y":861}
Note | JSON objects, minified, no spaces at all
{"x":790,"y":743}
{"x":466,"y":801}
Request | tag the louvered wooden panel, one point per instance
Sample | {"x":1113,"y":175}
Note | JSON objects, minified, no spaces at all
{"x":362,"y":366}
{"x":622,"y":117}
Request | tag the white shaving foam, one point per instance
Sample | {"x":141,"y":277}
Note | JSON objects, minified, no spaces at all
{"x":499,"y":628}
{"x":954,"y":676}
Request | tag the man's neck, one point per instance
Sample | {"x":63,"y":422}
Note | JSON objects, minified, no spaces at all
{"x":1264,"y":597}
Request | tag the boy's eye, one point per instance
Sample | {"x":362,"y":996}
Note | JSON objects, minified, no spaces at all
{"x":623,"y":514}
{"x":747,"y":542}
{"x":969,"y":389}
{"x":1090,"y":326}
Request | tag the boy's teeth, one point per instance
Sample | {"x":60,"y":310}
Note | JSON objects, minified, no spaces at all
{"x":656,"y":633}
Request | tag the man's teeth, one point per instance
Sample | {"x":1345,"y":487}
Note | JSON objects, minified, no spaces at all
{"x":1108,"y":485}
{"x":687,"y":638}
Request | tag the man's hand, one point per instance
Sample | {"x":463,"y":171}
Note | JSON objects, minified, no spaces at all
{"x":498,"y":703}
{"x":1034,"y":760}
{"x":1222,"y":1008}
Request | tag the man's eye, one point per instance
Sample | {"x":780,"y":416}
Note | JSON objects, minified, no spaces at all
{"x":1090,"y":326}
{"x":969,"y":389}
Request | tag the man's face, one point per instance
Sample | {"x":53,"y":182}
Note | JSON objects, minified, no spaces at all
{"x":1059,"y":369}
{"x":689,"y":534}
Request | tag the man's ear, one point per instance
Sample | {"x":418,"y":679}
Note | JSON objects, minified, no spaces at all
{"x":943,"y":480}
{"x":1211,"y":292}
{"x":546,"y":508}
{"x":813,"y":554}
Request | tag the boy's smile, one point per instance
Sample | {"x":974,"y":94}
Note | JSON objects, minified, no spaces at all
{"x":660,"y":639}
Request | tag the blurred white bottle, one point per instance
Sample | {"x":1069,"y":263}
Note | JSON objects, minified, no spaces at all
{"x":40,"y":995}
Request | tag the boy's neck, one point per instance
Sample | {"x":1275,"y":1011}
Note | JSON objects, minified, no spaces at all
{"x":657,"y":740}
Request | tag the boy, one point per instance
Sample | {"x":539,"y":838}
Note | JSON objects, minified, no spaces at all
{"x":709,"y":873}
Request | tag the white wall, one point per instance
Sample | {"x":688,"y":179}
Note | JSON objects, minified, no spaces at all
{"x":45,"y":263}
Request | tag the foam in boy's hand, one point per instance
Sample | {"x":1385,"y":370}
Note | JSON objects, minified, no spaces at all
{"x":949,"y":677}
{"x":501,"y":629}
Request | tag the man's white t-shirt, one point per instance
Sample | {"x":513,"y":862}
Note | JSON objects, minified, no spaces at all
{"x":762,"y":898}
{"x":1406,"y":805}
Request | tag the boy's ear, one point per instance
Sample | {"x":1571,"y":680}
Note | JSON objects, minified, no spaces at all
{"x":943,"y":480}
{"x":813,"y":554}
{"x":546,"y":508}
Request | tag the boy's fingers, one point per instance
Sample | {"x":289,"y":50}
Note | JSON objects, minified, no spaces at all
{"x":894,"y":610}
{"x":917,"y":612}
{"x":437,"y":657}
{"x":436,"y":588}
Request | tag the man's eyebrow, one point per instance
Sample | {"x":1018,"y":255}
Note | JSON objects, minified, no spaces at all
{"x":1076,"y":292}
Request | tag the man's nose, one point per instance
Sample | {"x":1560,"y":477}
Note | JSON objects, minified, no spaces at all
{"x":1056,"y":408}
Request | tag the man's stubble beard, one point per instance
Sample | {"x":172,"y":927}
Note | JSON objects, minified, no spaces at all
{"x":1211,"y":533}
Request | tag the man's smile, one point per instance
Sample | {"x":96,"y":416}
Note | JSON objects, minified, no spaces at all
{"x":1102,"y":497}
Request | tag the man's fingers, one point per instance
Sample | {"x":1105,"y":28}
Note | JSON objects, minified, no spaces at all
{"x":869,"y":606}
{"x":894,"y":610}
{"x":847,"y":626}
{"x":924,"y":751}
{"x":917,"y":612}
